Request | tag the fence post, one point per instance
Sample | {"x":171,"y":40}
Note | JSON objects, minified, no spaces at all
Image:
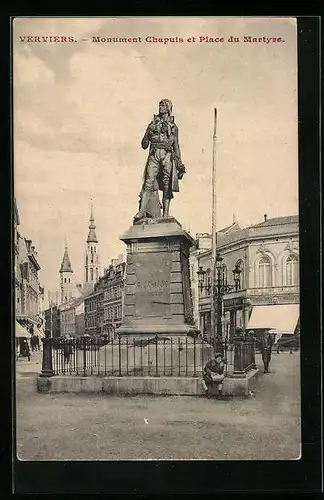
{"x":84,"y":347}
{"x":253,"y":354}
{"x":119,"y":355}
{"x":179,"y":360}
{"x":47,"y":364}
{"x":156,"y":357}
{"x":225,"y":357}
{"x":238,"y":357}
{"x":127,"y":356}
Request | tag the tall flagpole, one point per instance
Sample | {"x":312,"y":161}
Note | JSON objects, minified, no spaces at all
{"x":214,"y":235}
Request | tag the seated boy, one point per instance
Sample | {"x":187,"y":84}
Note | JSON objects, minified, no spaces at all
{"x":214,"y":373}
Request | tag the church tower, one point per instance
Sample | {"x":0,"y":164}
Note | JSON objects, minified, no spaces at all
{"x":67,"y":277}
{"x":91,"y":258}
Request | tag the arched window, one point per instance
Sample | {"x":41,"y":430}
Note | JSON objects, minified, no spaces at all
{"x":64,"y":280}
{"x":292,"y":270}
{"x":208,"y":281}
{"x":86,"y":260}
{"x":91,"y":274}
{"x":69,"y":280}
{"x":224,"y":273}
{"x":265,"y":272}
{"x":240,"y":266}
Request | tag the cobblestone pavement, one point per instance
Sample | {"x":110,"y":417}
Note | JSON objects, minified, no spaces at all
{"x":265,"y":426}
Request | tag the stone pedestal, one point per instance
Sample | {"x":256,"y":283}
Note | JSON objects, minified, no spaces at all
{"x":158,"y":292}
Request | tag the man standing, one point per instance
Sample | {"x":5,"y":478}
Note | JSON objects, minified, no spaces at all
{"x":267,"y":342}
{"x":164,"y":166}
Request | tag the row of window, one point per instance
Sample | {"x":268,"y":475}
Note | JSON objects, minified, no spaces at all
{"x":263,"y":273}
{"x":291,"y":272}
{"x":113,"y":312}
{"x":68,"y":317}
{"x":90,"y":321}
{"x":92,"y":275}
{"x":113,"y":292}
{"x":90,"y":306}
{"x":67,"y":328}
{"x":92,"y":259}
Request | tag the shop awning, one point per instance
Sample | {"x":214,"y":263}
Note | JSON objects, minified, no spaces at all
{"x":27,"y":318}
{"x":21,"y":332}
{"x":281,"y":318}
{"x":39,"y":332}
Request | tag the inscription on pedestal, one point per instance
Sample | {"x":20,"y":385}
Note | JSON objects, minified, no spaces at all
{"x":152,"y":291}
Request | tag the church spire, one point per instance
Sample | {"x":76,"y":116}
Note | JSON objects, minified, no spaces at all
{"x":66,"y":263}
{"x":92,"y":237}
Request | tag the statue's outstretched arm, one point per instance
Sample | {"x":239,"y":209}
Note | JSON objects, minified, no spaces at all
{"x":176,"y":146}
{"x":146,"y":139}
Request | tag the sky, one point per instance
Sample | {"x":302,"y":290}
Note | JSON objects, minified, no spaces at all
{"x":81,"y":109}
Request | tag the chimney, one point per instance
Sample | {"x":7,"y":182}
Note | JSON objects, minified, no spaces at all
{"x":265,"y":217}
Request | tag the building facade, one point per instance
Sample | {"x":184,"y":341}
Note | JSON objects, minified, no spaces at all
{"x":53,"y":320}
{"x":268,"y":256}
{"x":17,"y":262}
{"x":92,"y":312}
{"x":104,"y":307}
{"x":29,"y":293}
{"x":72,"y":318}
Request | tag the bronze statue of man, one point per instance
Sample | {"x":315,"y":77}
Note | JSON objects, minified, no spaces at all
{"x":164,"y":167}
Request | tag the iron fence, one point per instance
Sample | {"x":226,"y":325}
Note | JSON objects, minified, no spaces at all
{"x":174,"y":357}
{"x":244,"y":356}
{"x":155,"y":357}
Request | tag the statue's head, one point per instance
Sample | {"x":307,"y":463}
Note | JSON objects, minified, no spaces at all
{"x":165,"y":106}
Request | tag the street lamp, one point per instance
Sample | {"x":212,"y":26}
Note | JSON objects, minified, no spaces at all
{"x":201,"y":277}
{"x":221,"y":287}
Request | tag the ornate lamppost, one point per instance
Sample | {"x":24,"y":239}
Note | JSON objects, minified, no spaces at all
{"x":221,"y":287}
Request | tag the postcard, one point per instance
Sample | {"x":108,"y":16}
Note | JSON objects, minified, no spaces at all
{"x":156,"y":238}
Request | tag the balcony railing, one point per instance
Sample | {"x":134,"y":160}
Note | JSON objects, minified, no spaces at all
{"x":273,"y":290}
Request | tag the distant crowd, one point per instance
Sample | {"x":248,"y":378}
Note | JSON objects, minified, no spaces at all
{"x":25,"y":347}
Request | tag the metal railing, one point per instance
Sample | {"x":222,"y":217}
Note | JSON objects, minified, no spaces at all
{"x":173,"y":357}
{"x":154,"y":357}
{"x":244,"y":356}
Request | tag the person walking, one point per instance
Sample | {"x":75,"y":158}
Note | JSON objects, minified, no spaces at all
{"x":32,"y":343}
{"x":25,"y":350}
{"x":67,"y":349}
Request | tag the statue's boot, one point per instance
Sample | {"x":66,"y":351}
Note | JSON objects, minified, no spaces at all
{"x":144,"y":202}
{"x":166,"y":207}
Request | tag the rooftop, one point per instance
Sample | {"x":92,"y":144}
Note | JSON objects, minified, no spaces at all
{"x":66,"y":263}
{"x":92,"y":237}
{"x":227,"y":235}
{"x":277,"y":221}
